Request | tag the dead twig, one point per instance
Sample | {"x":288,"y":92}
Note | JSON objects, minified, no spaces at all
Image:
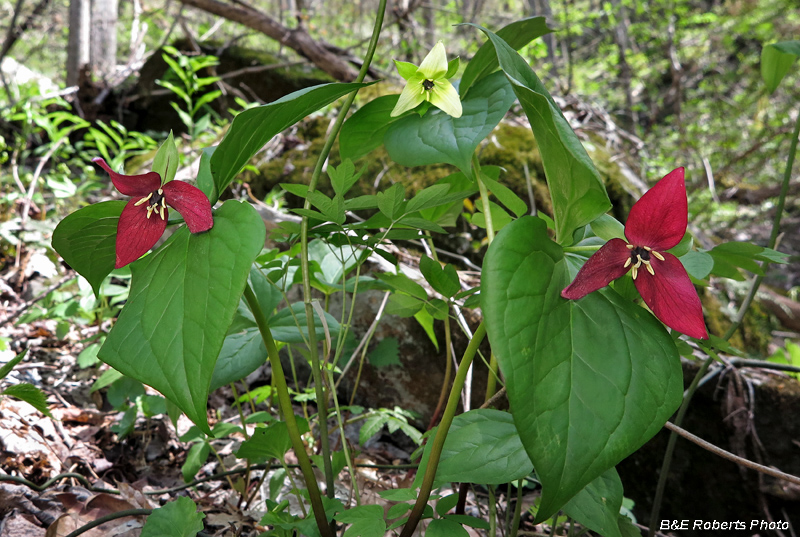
{"x":730,"y":456}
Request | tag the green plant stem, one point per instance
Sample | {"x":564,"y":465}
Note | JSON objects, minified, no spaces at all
{"x":487,"y":210}
{"x":517,"y":511}
{"x":441,"y":432}
{"x":492,"y":512}
{"x":221,"y":463}
{"x":448,"y":358}
{"x":787,"y":175}
{"x":673,"y":437}
{"x":491,"y":380}
{"x":241,"y":412}
{"x":589,"y":248}
{"x":491,"y":384}
{"x":448,"y":371}
{"x":285,"y":403}
{"x":304,"y":260}
{"x":345,"y":449}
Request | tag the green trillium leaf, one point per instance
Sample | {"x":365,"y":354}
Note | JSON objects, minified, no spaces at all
{"x":182,"y":301}
{"x":590,"y":380}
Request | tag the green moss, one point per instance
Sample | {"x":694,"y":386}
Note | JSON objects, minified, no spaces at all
{"x":753,"y":336}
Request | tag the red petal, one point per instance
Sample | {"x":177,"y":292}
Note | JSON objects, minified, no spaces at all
{"x":659,"y":218}
{"x":136,"y":233}
{"x":671,"y":296}
{"x":605,"y":266}
{"x":191,"y":203}
{"x":131,"y":185}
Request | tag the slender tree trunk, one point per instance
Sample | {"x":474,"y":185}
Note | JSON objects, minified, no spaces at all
{"x":103,"y":37}
{"x":78,"y":43}
{"x":625,"y":73}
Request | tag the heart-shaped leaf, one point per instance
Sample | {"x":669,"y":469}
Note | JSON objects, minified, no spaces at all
{"x":437,"y":137}
{"x":182,"y":301}
{"x":589,"y":381}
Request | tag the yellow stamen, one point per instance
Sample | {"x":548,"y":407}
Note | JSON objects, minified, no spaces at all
{"x":163,"y":208}
{"x":149,"y":211}
{"x":649,"y":268}
{"x":635,"y":271}
{"x":150,"y":195}
{"x":627,"y":263}
{"x":658,"y":256}
{"x":630,"y":246}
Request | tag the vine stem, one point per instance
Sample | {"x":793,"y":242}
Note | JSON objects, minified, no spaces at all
{"x":776,"y":223}
{"x":304,"y":260}
{"x":285,"y":403}
{"x":441,"y":432}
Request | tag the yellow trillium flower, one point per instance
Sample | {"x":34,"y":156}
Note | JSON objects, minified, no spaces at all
{"x":428,"y":82}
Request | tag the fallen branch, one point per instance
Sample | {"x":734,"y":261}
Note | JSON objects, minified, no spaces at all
{"x":295,"y":38}
{"x":730,"y":456}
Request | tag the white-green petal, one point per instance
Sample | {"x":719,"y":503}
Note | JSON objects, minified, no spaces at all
{"x":445,"y":97}
{"x":435,"y":63}
{"x":411,"y":97}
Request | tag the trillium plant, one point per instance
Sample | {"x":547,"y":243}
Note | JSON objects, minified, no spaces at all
{"x":591,"y":369}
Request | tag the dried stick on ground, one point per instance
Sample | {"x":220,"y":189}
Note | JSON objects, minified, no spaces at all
{"x":294,"y":38}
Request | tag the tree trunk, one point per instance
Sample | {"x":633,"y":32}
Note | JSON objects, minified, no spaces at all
{"x":103,"y":38}
{"x":625,"y":74}
{"x":78,"y":43}
{"x":296,"y":39}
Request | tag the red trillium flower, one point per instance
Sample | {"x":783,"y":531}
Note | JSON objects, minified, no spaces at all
{"x":656,"y":223}
{"x":144,"y":218}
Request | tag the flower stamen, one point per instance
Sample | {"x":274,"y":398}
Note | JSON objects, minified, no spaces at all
{"x":141,"y":201}
{"x":158,"y":203}
{"x":641,"y":255}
